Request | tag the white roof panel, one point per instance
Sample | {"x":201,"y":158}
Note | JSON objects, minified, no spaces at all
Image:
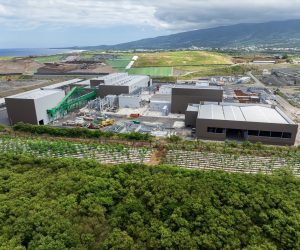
{"x":262,"y":114}
{"x":233,"y":113}
{"x":62,"y":84}
{"x":247,"y":113}
{"x":35,"y":94}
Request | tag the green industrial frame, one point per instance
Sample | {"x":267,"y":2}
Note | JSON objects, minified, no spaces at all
{"x":65,"y":105}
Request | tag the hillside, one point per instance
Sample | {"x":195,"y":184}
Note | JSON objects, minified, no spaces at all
{"x":271,"y":34}
{"x":74,"y":204}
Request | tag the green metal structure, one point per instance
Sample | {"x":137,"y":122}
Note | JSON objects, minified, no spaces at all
{"x":70,"y":101}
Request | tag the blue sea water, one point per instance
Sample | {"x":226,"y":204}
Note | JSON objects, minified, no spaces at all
{"x":33,"y":52}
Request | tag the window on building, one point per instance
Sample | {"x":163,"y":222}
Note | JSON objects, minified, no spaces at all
{"x":265,"y":133}
{"x":276,"y":134}
{"x":211,"y":130}
{"x":253,"y":132}
{"x":215,"y":130}
{"x":220,"y":130}
{"x":286,"y":135}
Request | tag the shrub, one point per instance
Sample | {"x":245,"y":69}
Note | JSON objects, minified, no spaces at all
{"x":78,"y":132}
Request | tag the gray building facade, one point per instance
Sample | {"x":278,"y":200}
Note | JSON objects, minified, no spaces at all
{"x":31,"y":107}
{"x":255,"y":123}
{"x":183,"y":95}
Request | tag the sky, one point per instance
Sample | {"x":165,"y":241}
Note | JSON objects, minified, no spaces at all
{"x":62,"y":23}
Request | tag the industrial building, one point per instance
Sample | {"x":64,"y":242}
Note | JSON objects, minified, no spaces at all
{"x":129,"y":101}
{"x":120,"y":83}
{"x":183,"y":95}
{"x":159,"y":102}
{"x":31,"y":107}
{"x":253,"y":122}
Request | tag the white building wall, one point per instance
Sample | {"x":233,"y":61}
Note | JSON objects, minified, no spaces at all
{"x":140,"y":82}
{"x":159,"y":105}
{"x":165,"y":90}
{"x":129,"y":101}
{"x":47,"y":102}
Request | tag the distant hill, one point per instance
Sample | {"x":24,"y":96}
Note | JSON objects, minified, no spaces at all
{"x":271,"y":34}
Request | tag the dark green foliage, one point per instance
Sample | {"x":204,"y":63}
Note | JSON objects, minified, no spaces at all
{"x":78,"y":132}
{"x":73,"y":204}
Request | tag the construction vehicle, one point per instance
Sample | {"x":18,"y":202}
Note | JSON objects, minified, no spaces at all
{"x":136,"y":121}
{"x":107,"y":122}
{"x":74,"y":99}
{"x":92,"y":126}
{"x":134,"y":115}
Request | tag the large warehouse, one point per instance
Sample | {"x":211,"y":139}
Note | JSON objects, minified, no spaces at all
{"x":253,"y":122}
{"x":183,"y":95}
{"x":120,"y":83}
{"x":31,"y":107}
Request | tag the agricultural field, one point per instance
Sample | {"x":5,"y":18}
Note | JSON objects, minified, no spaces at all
{"x":231,"y":163}
{"x":153,"y":71}
{"x":103,"y":153}
{"x":181,"y":58}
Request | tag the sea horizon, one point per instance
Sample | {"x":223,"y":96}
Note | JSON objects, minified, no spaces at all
{"x":24,"y":52}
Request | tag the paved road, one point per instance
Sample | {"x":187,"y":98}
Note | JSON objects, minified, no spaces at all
{"x":292,"y":112}
{"x":258,"y":83}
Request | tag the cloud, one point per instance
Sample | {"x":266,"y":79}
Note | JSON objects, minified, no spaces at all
{"x":163,"y":14}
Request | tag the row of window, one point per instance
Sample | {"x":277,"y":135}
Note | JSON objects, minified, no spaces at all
{"x":216,"y":130}
{"x":285,"y":135}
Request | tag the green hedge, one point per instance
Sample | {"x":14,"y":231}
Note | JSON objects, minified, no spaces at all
{"x":78,"y":132}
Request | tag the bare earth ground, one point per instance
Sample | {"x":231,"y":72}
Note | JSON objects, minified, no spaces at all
{"x":23,"y":66}
{"x":8,"y":88}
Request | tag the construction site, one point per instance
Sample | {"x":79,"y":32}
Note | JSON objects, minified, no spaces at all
{"x":122,"y":103}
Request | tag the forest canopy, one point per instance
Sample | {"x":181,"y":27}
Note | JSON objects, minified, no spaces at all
{"x":78,"y":204}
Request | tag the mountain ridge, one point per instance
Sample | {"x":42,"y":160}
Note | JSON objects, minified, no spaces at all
{"x":273,"y":34}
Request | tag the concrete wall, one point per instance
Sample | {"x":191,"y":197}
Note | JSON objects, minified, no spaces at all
{"x":129,"y":101}
{"x":143,"y":82}
{"x":32,"y":110}
{"x":104,"y":90}
{"x":203,"y":124}
{"x":47,"y":102}
{"x":4,"y":117}
{"x":182,"y":97}
{"x":159,"y":105}
{"x":191,"y":118}
{"x":21,"y":110}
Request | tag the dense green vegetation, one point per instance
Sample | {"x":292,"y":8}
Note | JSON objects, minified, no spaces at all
{"x":74,"y":204}
{"x":79,"y":132}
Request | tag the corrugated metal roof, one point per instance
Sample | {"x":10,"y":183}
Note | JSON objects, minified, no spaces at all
{"x":62,"y":84}
{"x":35,"y":94}
{"x":248,"y":113}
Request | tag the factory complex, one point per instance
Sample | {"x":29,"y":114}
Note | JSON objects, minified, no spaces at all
{"x":122,"y":102}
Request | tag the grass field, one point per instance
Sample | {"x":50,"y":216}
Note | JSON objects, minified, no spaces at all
{"x":50,"y":59}
{"x":213,"y":70}
{"x":121,"y":62}
{"x":181,"y":58}
{"x":153,"y":71}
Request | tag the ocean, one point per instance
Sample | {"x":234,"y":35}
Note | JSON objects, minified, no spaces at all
{"x":34,"y":52}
